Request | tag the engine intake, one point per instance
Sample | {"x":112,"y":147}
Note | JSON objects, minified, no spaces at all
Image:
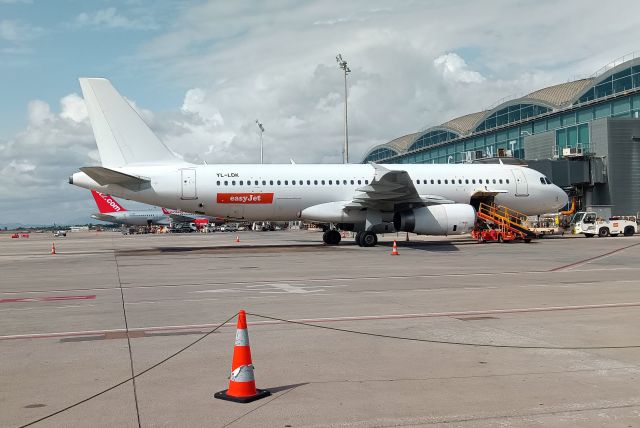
{"x":445,"y":219}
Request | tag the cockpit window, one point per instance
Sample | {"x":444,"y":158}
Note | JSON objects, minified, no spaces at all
{"x":545,"y":180}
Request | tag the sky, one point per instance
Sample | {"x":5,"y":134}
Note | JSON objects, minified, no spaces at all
{"x":201,"y":73}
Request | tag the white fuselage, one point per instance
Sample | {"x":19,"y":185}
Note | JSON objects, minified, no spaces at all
{"x":281,"y":192}
{"x":134,"y":218}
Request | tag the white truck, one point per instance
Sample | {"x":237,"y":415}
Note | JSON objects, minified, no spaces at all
{"x":590,"y":225}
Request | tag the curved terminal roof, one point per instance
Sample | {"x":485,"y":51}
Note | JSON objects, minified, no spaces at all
{"x":560,"y":95}
{"x":549,"y":99}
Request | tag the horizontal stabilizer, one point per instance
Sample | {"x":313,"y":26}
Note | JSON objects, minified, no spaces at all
{"x":105,"y":176}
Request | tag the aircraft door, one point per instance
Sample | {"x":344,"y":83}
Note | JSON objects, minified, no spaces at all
{"x":522,"y":188}
{"x":188,"y":181}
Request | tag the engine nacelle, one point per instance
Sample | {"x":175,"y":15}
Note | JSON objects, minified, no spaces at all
{"x":444,"y":219}
{"x":332,"y":212}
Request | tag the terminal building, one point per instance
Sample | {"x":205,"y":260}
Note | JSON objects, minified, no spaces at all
{"x":583,"y":134}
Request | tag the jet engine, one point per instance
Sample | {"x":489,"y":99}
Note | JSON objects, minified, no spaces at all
{"x":444,"y":219}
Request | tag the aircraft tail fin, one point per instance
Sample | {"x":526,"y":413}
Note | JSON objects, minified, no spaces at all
{"x":122,"y":136}
{"x":106,"y":204}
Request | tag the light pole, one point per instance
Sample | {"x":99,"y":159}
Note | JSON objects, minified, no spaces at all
{"x":261,"y":132}
{"x":343,"y":65}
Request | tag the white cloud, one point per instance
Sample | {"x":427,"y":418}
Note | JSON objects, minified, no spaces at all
{"x":456,"y":69}
{"x":109,"y":18}
{"x":15,"y":31}
{"x":73,"y":108}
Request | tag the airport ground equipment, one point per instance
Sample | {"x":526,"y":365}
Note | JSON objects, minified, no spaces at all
{"x":589,"y":224}
{"x":242,"y":384}
{"x":507,"y":224}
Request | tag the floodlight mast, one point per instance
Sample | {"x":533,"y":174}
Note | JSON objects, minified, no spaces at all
{"x":261,"y":145}
{"x":343,"y":65}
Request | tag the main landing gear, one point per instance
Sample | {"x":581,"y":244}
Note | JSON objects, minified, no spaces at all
{"x":366,"y":239}
{"x":331,"y":237}
{"x":363,"y":239}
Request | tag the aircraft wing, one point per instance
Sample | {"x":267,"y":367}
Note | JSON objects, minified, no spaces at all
{"x":391,"y":187}
{"x":181,"y":218}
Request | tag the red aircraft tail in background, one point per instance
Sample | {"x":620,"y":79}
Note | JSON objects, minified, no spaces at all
{"x":106,"y":204}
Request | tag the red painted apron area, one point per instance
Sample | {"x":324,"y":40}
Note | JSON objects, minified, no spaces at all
{"x":47,"y":299}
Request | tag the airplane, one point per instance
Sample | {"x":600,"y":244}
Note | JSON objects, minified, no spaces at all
{"x":111,"y":211}
{"x":429,"y":199}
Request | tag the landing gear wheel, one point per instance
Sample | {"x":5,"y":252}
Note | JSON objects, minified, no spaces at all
{"x":603,"y":232}
{"x":331,"y":237}
{"x":368,"y":239}
{"x":359,"y":239}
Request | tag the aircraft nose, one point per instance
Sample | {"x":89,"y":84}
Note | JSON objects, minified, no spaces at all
{"x":561,"y":197}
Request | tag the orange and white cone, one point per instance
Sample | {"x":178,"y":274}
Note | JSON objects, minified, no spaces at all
{"x":242,"y":383}
{"x":238,"y":238}
{"x":394,"y":251}
{"x":53,"y":248}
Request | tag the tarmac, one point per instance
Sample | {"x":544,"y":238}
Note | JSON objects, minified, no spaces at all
{"x":450,"y":333}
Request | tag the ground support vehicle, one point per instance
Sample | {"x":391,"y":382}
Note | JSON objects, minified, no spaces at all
{"x":589,"y":224}
{"x":502,"y":224}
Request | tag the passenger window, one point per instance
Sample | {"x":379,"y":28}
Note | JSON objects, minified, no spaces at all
{"x":337,"y":182}
{"x":233,"y":183}
{"x":218,"y":183}
{"x":494,"y":181}
{"x":241,"y":182}
{"x":315,"y":182}
{"x":473,"y":181}
{"x":480,"y":180}
{"x":286,"y":182}
{"x":309,"y":183}
{"x":344,"y":182}
{"x":459,"y":181}
{"x":226,"y":183}
{"x":366,"y":181}
{"x":432,"y":181}
{"x":352,"y":182}
{"x":359,"y":182}
{"x":439,"y":181}
{"x":417,"y":181}
{"x":500,"y":181}
{"x":466,"y":181}
{"x":330,"y":181}
{"x":507,"y":181}
{"x":446,"y":181}
{"x":278,"y":182}
{"x":322,"y":182}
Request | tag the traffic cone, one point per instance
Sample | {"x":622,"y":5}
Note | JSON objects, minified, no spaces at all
{"x":394,"y":252}
{"x":242,"y":384}
{"x":53,"y":248}
{"x":237,"y":239}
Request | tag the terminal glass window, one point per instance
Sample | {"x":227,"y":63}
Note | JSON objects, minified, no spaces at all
{"x":512,"y":114}
{"x":380,"y":154}
{"x":621,"y":81}
{"x":431,"y":138}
